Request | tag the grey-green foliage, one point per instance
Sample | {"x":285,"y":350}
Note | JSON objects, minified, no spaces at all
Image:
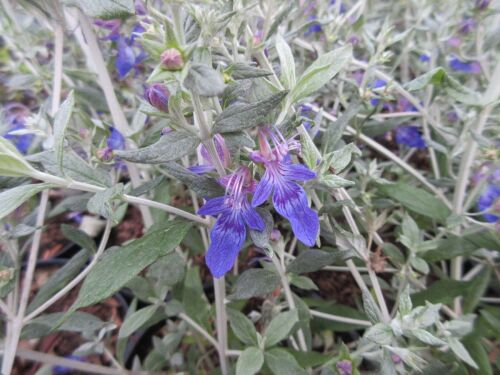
{"x":13,"y":198}
{"x":127,"y":261}
{"x":255,"y":282}
{"x":169,"y":147}
{"x":106,"y":9}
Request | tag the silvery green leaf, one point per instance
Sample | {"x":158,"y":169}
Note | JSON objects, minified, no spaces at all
{"x":12,"y":162}
{"x":461,"y":326}
{"x":14,"y":197}
{"x":287,"y":62}
{"x":61,"y":122}
{"x":103,"y":202}
{"x":280,"y":362}
{"x":240,"y":116}
{"x":140,"y":319}
{"x":405,"y":304}
{"x":280,"y":327}
{"x":147,"y":186}
{"x":74,"y":167}
{"x":204,"y":80}
{"x":320,"y":72}
{"x":302,"y":282}
{"x":244,"y":71}
{"x":121,"y":264}
{"x":308,"y":151}
{"x":426,"y":337}
{"x":78,"y":237}
{"x":261,"y":238}
{"x":332,"y":181}
{"x":167,"y":271}
{"x":250,"y":361}
{"x":371,"y":309}
{"x":335,"y":129}
{"x":419,"y":265}
{"x":169,"y":147}
{"x":312,"y":260}
{"x":242,"y":327}
{"x":238,"y":140}
{"x":426,"y":315}
{"x":204,"y":186}
{"x":341,"y":158}
{"x":408,"y":357}
{"x":459,"y":349}
{"x":380,"y":334}
{"x":255,"y":282}
{"x":43,"y":325}
{"x":107,"y":9}
{"x":411,"y":231}
{"x":347,"y":241}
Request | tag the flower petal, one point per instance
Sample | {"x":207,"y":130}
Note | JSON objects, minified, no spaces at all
{"x":252,"y":218}
{"x":263,"y":190}
{"x":213,"y":206}
{"x":298,"y":172}
{"x":227,"y":238}
{"x":201,"y":169}
{"x":290,"y":201}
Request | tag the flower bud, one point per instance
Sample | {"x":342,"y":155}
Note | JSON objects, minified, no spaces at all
{"x":157,"y":95}
{"x":344,"y":367}
{"x":105,"y":154}
{"x":171,"y":59}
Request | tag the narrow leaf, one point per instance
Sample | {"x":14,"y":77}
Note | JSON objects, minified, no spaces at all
{"x":13,"y":198}
{"x":61,"y":122}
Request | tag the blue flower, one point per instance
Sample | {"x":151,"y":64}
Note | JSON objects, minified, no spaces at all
{"x":314,"y":28}
{"x":378,"y":83}
{"x":410,"y":136}
{"x":116,"y":141}
{"x":472,"y":67}
{"x":234,"y":214}
{"x":128,"y":57}
{"x":424,"y":57}
{"x":489,"y":200}
{"x":289,"y":198}
{"x":21,"y":141}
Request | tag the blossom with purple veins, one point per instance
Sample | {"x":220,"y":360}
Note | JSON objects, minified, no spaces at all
{"x":112,"y":25}
{"x":222,"y":152}
{"x":289,"y":198}
{"x":472,"y":67}
{"x":234,"y":213}
{"x":410,"y":136}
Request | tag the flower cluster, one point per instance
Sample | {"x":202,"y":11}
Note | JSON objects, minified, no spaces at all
{"x":235,"y":212}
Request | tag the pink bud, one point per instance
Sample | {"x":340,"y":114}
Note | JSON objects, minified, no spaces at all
{"x":158,"y":95}
{"x":171,"y":59}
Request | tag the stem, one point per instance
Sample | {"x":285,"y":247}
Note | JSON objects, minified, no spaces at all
{"x":117,"y":114}
{"x":199,"y":329}
{"x":289,"y":298}
{"x":221,"y":318}
{"x":342,"y":319}
{"x":50,"y":359}
{"x":490,"y":96}
{"x":56,"y":297}
{"x":17,"y":321}
{"x":83,"y":186}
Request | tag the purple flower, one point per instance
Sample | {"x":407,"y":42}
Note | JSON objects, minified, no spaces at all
{"x":140,"y":9}
{"x":454,"y":41}
{"x":467,"y":25}
{"x":115,"y":140}
{"x":344,"y":367}
{"x":472,"y":67}
{"x":112,"y":25}
{"x":289,"y":198}
{"x":128,"y":57}
{"x":410,"y":136}
{"x":21,"y":141}
{"x":452,"y":116}
{"x":482,"y":4}
{"x":378,"y":83}
{"x":222,"y":152}
{"x":157,"y":95}
{"x":63,"y":370}
{"x":314,"y":28}
{"x":171,"y":59}
{"x":234,"y":214}
{"x":424,"y":57}
{"x":489,"y":200}
{"x":404,"y":105}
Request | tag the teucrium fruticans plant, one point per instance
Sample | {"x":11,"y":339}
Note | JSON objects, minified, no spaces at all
{"x":286,"y":142}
